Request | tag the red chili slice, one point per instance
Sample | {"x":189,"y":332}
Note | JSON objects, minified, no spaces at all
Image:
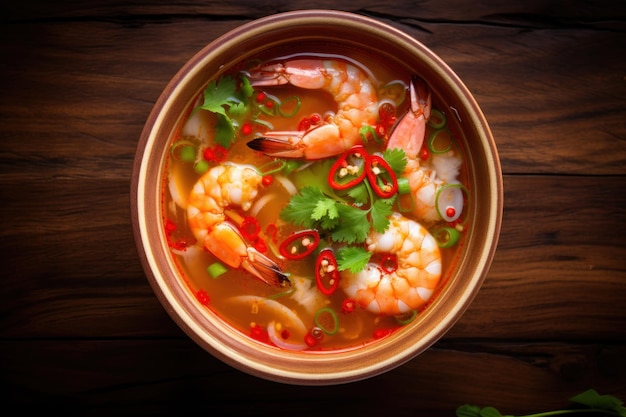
{"x":250,"y":228}
{"x":353,"y":157}
{"x":384,"y":182}
{"x":389,"y":263}
{"x":300,"y":244}
{"x":326,"y":272}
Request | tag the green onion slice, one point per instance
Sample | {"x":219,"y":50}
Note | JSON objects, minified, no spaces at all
{"x":216,"y":269}
{"x":323,"y":312}
{"x":294,"y":102}
{"x":394,"y":90}
{"x":272,"y":167}
{"x":440,"y":141}
{"x":406,"y":318}
{"x":437,"y":119}
{"x":446,"y":237}
{"x":178,"y":148}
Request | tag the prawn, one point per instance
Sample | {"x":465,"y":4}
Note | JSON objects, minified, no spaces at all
{"x":223,"y":186}
{"x":411,"y":281}
{"x":352,"y":90}
{"x":426,"y":178}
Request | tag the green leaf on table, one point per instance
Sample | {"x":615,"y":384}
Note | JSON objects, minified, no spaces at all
{"x":468,"y":410}
{"x":592,"y":399}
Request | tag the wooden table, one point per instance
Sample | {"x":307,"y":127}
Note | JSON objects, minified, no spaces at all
{"x":81,"y":330}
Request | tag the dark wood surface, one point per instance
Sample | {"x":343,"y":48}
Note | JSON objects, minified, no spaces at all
{"x":81,"y":330}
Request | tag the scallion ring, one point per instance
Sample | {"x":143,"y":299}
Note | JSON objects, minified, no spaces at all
{"x":335,"y":320}
{"x":446,"y":237}
{"x":296,"y":106}
{"x":440,"y":141}
{"x":437,"y":119}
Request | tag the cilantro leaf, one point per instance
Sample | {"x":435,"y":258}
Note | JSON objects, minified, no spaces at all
{"x":359,"y":193}
{"x":219,"y":96}
{"x":300,"y":209}
{"x":353,"y":226}
{"x":396,"y":158}
{"x":325,"y":208}
{"x":228,"y":100}
{"x":352,"y":258}
{"x":224,"y":131}
{"x":380,"y":212}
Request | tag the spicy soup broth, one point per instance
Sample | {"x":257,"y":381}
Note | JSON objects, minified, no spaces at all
{"x":301,"y":316}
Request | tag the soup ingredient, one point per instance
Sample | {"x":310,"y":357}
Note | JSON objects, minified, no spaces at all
{"x":259,"y":306}
{"x":279,"y":340}
{"x":353,"y":91}
{"x":427,"y":176}
{"x":326,"y":319}
{"x":349,"y":169}
{"x":216,"y":269}
{"x":593,"y":403}
{"x":227,"y":100}
{"x":300,"y":244}
{"x":410,"y":131}
{"x":408,"y":286}
{"x":326,"y":272}
{"x":381,"y":177}
{"x":229,"y":185}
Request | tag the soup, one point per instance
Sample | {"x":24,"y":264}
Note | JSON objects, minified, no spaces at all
{"x":315,"y":201}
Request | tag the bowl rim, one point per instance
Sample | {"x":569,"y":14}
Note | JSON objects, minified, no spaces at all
{"x":304,"y":369}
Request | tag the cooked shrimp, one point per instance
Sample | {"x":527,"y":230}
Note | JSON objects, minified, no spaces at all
{"x":425,"y":179}
{"x":390,"y":291}
{"x":353,"y":91}
{"x":223,"y":186}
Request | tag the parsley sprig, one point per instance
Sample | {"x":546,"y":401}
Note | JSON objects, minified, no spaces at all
{"x":593,"y":402}
{"x":347,"y":218}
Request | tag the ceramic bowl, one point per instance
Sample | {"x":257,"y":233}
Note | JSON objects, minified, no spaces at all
{"x":285,"y":32}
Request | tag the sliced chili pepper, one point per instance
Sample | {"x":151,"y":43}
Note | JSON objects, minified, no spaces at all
{"x":326,"y":272}
{"x":348,"y":305}
{"x":389,"y":263}
{"x":381,"y":176}
{"x":348,"y":170}
{"x":250,"y":228}
{"x":299,"y":244}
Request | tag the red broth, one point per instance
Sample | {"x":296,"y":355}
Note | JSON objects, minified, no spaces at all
{"x":308,"y":313}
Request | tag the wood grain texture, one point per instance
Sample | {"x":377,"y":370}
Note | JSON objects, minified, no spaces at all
{"x":81,"y":330}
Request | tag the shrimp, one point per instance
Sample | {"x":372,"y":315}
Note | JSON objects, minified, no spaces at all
{"x":408,"y":286}
{"x":425,"y":178}
{"x":223,"y":186}
{"x":353,"y":91}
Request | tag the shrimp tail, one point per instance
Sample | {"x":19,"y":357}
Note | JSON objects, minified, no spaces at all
{"x":409,"y":132}
{"x":279,"y":144}
{"x":265,"y":269}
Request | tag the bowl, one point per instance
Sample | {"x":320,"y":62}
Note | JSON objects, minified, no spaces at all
{"x":282,"y":35}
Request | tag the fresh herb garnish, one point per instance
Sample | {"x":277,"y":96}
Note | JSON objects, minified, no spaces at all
{"x":228,"y":100}
{"x":607,"y":405}
{"x":348,"y":216}
{"x":353,"y":258}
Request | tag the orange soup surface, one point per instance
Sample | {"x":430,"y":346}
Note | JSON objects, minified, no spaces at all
{"x":316,"y":202}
